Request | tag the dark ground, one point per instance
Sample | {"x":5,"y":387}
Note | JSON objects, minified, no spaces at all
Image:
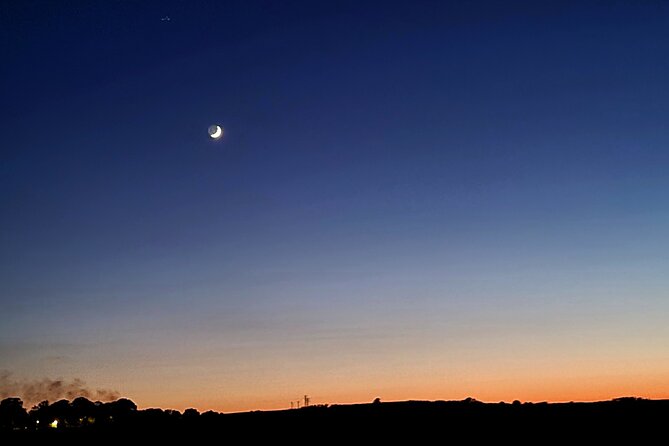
{"x":443,"y":421}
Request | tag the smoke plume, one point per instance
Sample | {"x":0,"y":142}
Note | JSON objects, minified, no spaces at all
{"x":34,"y":391}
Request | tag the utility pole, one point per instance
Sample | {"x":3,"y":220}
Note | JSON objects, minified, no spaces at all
{"x":306,"y":400}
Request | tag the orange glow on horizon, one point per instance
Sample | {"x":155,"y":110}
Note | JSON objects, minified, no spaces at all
{"x":554,"y":390}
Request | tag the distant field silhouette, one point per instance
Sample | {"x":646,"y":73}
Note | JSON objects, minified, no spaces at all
{"x":82,"y":418}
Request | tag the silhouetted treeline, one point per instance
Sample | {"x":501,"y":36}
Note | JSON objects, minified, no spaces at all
{"x":64,"y":414}
{"x":377,"y":420}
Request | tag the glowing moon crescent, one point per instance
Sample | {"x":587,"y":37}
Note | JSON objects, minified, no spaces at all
{"x":215,"y":131}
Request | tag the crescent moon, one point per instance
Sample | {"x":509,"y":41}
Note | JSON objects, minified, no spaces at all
{"x":216,"y":133}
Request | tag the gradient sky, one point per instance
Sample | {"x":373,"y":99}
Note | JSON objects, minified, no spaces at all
{"x":426,"y":200}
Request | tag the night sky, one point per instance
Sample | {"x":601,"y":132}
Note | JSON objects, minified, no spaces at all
{"x":419,"y":200}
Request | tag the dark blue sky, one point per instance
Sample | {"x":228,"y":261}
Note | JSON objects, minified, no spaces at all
{"x":392,"y":175}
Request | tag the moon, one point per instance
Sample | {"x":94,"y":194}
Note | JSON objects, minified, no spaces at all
{"x":215,"y":131}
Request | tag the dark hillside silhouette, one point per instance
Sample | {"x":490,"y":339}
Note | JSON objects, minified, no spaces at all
{"x":84,"y":418}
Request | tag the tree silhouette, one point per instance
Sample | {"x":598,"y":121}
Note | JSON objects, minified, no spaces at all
{"x":40,"y":413}
{"x":191,"y":413}
{"x":84,"y":411}
{"x":12,"y":414}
